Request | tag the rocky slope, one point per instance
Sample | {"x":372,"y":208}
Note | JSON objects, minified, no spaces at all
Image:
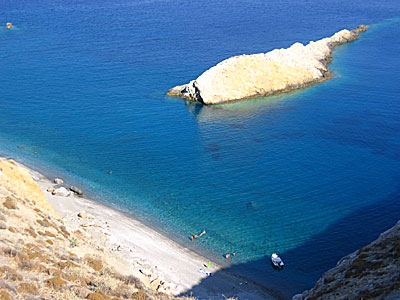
{"x":281,"y":70}
{"x":369,"y":273}
{"x":43,"y":257}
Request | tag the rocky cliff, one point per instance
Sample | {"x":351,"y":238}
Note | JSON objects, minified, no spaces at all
{"x":281,"y":70}
{"x":369,"y":273}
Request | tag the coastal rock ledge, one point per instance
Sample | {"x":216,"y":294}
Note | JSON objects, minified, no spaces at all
{"x":278,"y":71}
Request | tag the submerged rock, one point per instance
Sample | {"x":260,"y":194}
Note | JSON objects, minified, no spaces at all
{"x":281,"y":70}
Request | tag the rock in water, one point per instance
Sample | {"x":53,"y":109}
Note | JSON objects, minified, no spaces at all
{"x":281,"y":70}
{"x":76,"y":190}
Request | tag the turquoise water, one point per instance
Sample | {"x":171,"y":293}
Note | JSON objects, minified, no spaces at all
{"x":313,"y":174}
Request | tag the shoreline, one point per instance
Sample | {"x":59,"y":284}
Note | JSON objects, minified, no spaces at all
{"x":154,"y":256}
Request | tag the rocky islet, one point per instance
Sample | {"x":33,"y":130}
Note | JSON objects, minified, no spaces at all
{"x":278,"y":71}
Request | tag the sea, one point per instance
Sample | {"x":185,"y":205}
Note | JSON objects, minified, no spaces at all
{"x":312,"y":175}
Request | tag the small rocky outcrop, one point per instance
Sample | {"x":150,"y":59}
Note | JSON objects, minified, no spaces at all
{"x":281,"y":70}
{"x":369,"y":273}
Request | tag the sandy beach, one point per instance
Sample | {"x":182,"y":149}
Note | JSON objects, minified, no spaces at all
{"x":154,"y":258}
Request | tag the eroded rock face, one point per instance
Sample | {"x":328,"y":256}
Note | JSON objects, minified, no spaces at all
{"x":248,"y":76}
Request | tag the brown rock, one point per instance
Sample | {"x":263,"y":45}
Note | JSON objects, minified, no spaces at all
{"x":65,"y":264}
{"x":27,"y":288}
{"x":55,"y":282}
{"x":64,"y":231}
{"x":43,"y":222}
{"x":31,"y":246}
{"x":48,"y":233}
{"x":95,"y":264}
{"x":97,"y":296}
{"x":10,"y":203}
{"x":31,"y":232}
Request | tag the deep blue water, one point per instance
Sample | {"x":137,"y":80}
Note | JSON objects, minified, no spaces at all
{"x":313,"y":174}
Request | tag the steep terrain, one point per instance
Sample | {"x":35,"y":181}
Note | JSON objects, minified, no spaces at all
{"x":41,"y":255}
{"x":369,"y":273}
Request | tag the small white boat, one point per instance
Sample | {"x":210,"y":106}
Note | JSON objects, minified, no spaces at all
{"x":277,"y":261}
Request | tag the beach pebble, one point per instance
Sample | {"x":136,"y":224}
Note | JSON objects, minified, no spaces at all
{"x":76,"y":190}
{"x":82,"y":215}
{"x":62,"y":191}
{"x":3,"y":225}
{"x":58,"y":181}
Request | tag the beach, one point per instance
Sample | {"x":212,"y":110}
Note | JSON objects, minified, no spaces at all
{"x":311,"y":175}
{"x":154,"y":258}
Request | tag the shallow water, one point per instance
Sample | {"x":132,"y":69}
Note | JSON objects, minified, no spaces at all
{"x":309,"y":174}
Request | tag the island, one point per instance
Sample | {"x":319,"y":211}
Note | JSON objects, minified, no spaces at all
{"x":278,"y":71}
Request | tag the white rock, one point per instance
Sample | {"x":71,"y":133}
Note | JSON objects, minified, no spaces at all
{"x":58,"y":181}
{"x":62,"y":191}
{"x":82,"y":215}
